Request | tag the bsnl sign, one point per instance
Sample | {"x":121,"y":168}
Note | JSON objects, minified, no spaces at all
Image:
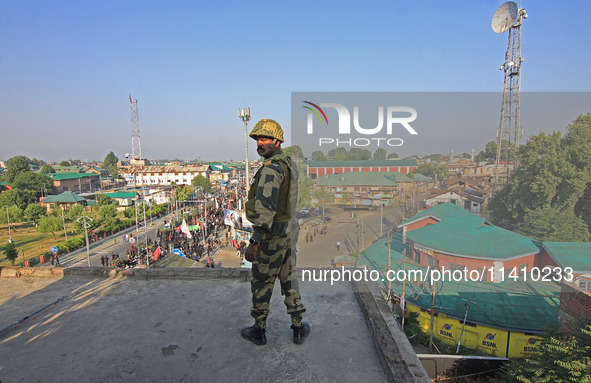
{"x":389,"y":117}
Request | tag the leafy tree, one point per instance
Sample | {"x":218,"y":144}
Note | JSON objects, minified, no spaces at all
{"x":561,"y":359}
{"x":46,"y":168}
{"x":14,"y":213}
{"x":436,"y":172}
{"x":380,"y":154}
{"x":35,"y":211}
{"x":358,"y":154}
{"x":20,"y":198}
{"x":554,"y":173}
{"x":34,"y":181}
{"x":65,"y":163}
{"x":11,"y":252}
{"x":183,"y":192}
{"x":50,"y":224}
{"x":324,"y":196}
{"x":392,"y":155}
{"x":294,"y":152}
{"x":75,"y":211}
{"x":304,"y":190}
{"x":554,"y":225}
{"x":110,"y":160}
{"x":347,"y":198}
{"x":110,"y":163}
{"x":341,"y":152}
{"x":103,"y":199}
{"x":201,"y":181}
{"x":15,"y":166}
{"x":107,"y":211}
{"x":318,"y":156}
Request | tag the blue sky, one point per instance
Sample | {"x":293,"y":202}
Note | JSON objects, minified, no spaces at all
{"x":67,"y":67}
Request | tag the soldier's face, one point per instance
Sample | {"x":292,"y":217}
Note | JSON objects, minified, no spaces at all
{"x":265,"y":146}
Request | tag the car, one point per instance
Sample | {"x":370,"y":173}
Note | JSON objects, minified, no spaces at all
{"x":327,"y":218}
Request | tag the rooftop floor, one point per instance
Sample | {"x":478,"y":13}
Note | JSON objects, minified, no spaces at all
{"x":176,"y":330}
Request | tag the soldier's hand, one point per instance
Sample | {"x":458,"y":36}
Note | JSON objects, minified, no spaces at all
{"x":251,"y":252}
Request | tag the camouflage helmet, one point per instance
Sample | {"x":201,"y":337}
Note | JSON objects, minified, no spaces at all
{"x":267,"y":128}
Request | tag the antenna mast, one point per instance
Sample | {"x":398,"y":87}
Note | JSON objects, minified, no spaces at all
{"x":136,"y":146}
{"x":508,"y":17}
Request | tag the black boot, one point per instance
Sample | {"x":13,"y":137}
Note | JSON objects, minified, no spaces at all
{"x":254,"y":334}
{"x":300,"y":333}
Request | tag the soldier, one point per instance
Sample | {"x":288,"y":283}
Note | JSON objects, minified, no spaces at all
{"x":271,"y":209}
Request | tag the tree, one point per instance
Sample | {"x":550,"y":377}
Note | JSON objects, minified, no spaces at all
{"x":561,"y":358}
{"x":183,"y":192}
{"x":439,"y":173}
{"x":554,"y":173}
{"x":46,"y":168}
{"x":20,"y":198}
{"x":392,"y":155}
{"x":340,"y":156}
{"x":103,"y":199}
{"x":75,"y":211}
{"x":35,"y":211}
{"x":34,"y":181}
{"x":553,"y":225}
{"x":65,"y":163}
{"x":341,"y":152}
{"x":15,"y":166}
{"x":107,"y":211}
{"x":201,"y":181}
{"x":324,"y":196}
{"x":14,"y":213}
{"x":294,"y":152}
{"x":304,"y":191}
{"x":380,"y":154}
{"x":11,"y":252}
{"x":110,"y":163}
{"x":50,"y":224}
{"x":358,"y":154}
{"x":318,"y":156}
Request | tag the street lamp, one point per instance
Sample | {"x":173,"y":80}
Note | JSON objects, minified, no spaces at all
{"x":244,"y":115}
{"x":8,"y":218}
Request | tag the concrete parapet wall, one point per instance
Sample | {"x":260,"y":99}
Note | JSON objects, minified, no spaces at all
{"x":143,"y":273}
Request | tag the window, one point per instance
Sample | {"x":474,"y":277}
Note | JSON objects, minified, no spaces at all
{"x":585,"y":284}
{"x":454,"y":266}
{"x":417,"y":257}
{"x":432,"y":262}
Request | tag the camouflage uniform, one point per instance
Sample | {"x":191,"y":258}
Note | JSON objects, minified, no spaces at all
{"x":271,"y":201}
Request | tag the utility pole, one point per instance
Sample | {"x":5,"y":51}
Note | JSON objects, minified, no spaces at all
{"x":84,"y":220}
{"x":403,"y":298}
{"x":467,"y":304}
{"x":8,"y":218}
{"x":64,"y":224}
{"x":434,"y":286}
{"x":244,"y":115}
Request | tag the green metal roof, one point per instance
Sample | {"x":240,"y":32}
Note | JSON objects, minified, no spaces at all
{"x":363,"y":163}
{"x":70,"y":176}
{"x":364,"y":179}
{"x":120,"y":194}
{"x":441,"y":211}
{"x":511,"y":305}
{"x":67,"y":197}
{"x":473,"y":238}
{"x":571,"y":254}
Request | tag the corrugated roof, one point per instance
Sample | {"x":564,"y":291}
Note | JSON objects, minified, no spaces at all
{"x":512,"y":305}
{"x":70,"y":176}
{"x":465,"y":234}
{"x":571,"y":254}
{"x":364,"y":163}
{"x":364,"y":179}
{"x":441,"y":211}
{"x":120,"y":194}
{"x":66,"y":196}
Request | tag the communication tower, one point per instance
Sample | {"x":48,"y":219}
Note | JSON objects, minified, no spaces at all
{"x":136,"y":146}
{"x":509,"y":17}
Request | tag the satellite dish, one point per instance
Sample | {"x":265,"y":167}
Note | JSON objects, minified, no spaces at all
{"x":505,"y":17}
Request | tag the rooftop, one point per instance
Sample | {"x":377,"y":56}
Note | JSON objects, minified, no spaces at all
{"x":572,"y":254}
{"x":158,"y":326}
{"x":365,"y":179}
{"x":512,"y":305}
{"x":66,"y":197}
{"x":364,"y":163}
